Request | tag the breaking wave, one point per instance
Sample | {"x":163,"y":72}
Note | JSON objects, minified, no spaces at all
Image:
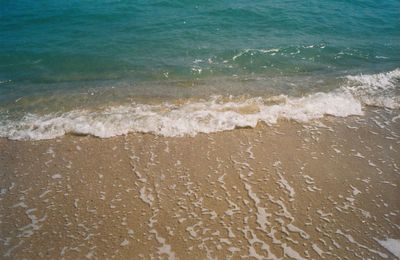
{"x":212,"y":115}
{"x":376,"y":89}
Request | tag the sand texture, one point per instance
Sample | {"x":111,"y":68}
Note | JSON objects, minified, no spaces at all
{"x":327,"y":189}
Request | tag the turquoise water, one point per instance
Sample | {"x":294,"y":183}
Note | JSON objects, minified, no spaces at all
{"x":60,"y":56}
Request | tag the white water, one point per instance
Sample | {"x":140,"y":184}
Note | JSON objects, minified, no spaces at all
{"x":211,"y":115}
{"x":376,"y":89}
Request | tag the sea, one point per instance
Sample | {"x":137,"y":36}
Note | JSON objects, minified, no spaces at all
{"x":184,"y":67}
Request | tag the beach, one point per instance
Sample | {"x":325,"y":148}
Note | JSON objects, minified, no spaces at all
{"x":200,"y":130}
{"x":323,"y":189}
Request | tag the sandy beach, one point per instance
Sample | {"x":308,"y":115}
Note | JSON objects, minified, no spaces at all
{"x":326,"y":189}
{"x":200,"y":129}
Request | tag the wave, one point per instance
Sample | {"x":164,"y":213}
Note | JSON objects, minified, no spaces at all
{"x":189,"y":118}
{"x":376,"y":89}
{"x":207,"y":116}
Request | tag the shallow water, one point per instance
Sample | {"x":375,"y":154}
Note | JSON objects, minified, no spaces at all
{"x":77,"y":57}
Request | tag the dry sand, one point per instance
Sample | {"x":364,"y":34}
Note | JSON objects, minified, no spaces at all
{"x":328,"y":189}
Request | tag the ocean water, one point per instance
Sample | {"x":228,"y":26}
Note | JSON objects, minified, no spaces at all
{"x":177,"y":68}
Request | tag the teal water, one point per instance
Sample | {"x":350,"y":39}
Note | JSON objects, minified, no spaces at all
{"x":59,"y":56}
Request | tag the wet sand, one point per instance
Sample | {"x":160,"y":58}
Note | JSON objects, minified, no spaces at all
{"x":327,"y":189}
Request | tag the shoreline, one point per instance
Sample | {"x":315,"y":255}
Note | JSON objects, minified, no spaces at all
{"x":359,"y":95}
{"x":288,"y":190}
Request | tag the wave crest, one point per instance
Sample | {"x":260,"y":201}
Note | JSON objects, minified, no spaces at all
{"x":213,"y":115}
{"x":376,"y":89}
{"x":190,"y":118}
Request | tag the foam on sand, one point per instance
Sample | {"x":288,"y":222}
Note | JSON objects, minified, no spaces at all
{"x":392,"y":245}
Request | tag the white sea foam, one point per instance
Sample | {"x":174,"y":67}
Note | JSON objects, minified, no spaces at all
{"x":392,"y":245}
{"x":190,"y":118}
{"x":252,"y":51}
{"x":212,"y":115}
{"x":376,"y":89}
